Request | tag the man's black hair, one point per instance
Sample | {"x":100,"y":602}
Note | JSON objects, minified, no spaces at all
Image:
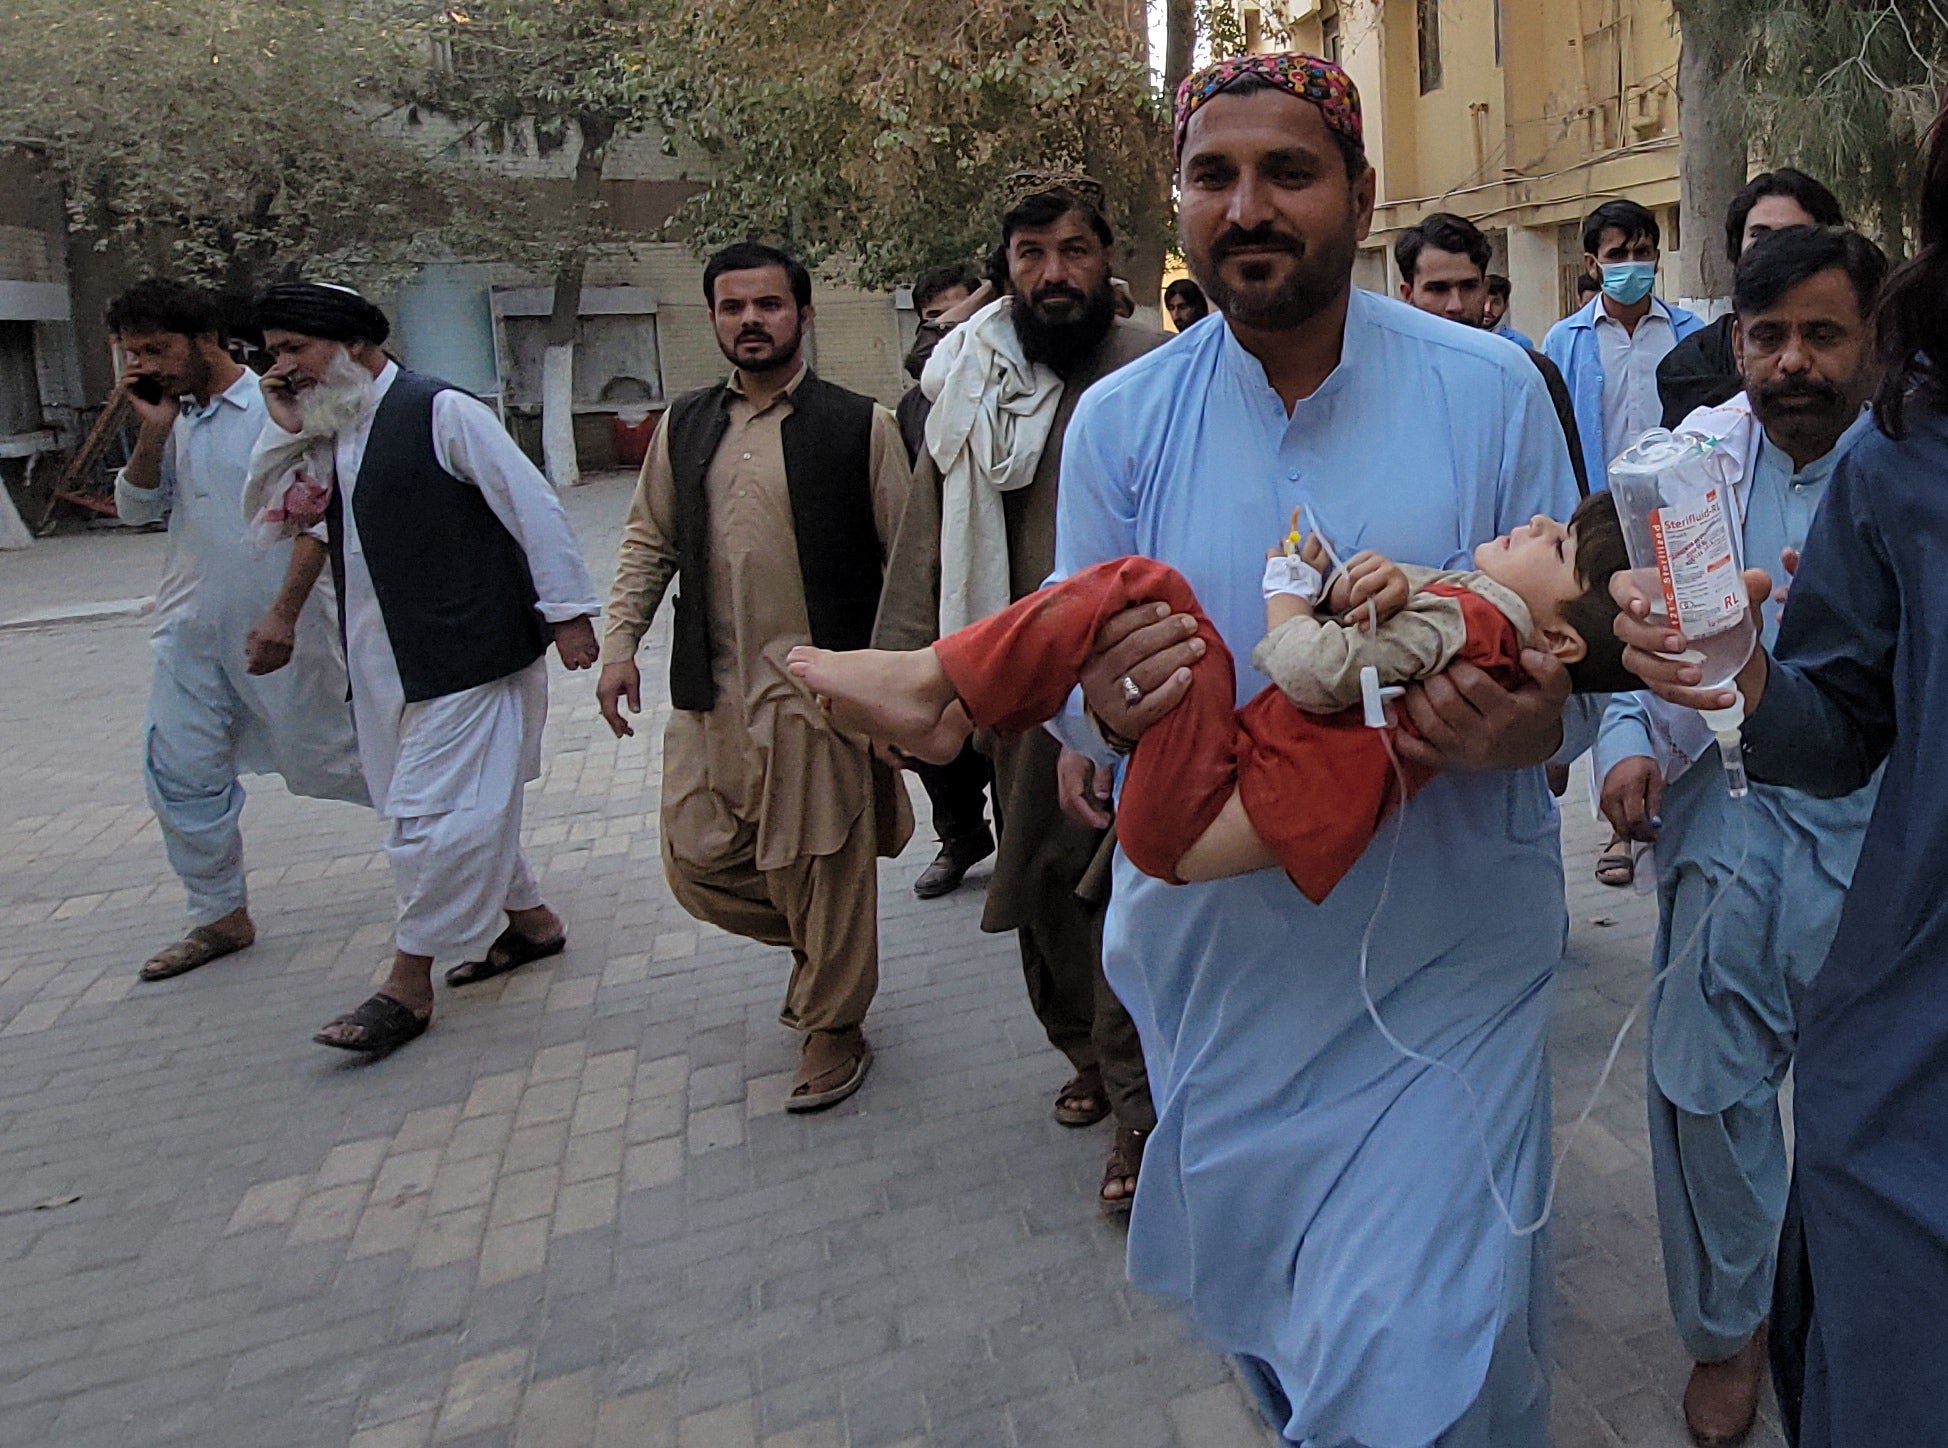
{"x":749,"y":256}
{"x":1045,"y":208}
{"x":1586,"y":286}
{"x":1780,"y":260}
{"x":935,"y":280}
{"x":1624,"y":215}
{"x":1600,"y":556}
{"x":1814,"y":199}
{"x":1498,"y":286}
{"x":1189,"y":290}
{"x":1350,"y":151}
{"x":160,"y":304}
{"x":1444,"y":231}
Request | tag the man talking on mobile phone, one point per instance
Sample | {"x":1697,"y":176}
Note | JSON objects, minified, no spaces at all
{"x":209,"y":720}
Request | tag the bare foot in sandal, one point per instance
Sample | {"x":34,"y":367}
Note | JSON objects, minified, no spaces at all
{"x":201,"y":945}
{"x":1082,"y":1101}
{"x":401,"y":1010}
{"x":1617,"y":865}
{"x":899,"y":697}
{"x":831,"y":1066}
{"x":1120,"y":1172}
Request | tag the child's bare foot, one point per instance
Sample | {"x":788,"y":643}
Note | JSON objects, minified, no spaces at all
{"x":899,"y":697}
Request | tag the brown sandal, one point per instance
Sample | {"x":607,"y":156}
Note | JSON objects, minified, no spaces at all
{"x":832,"y":1065}
{"x":1090,"y":1100}
{"x":1125,"y":1164}
{"x":199,"y":947}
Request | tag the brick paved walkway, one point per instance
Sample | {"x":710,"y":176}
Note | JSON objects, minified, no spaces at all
{"x":575,"y":1213}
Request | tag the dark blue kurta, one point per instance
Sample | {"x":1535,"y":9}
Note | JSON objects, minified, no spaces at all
{"x":1861,"y":675}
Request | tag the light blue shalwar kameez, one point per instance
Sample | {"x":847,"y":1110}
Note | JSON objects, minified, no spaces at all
{"x":1319,"y":1203}
{"x":210,"y":720}
{"x":1724,"y":1023}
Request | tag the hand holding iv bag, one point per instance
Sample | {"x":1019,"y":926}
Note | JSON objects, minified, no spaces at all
{"x":1681,"y":529}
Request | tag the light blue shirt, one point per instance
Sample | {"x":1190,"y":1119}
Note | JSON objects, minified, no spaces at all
{"x":1573,"y":345}
{"x":1520,"y":339}
{"x":1320,"y":1203}
{"x":214,"y":580}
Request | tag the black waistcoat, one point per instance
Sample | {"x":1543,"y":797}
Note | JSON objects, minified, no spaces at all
{"x":828,"y":472}
{"x":452,"y":583}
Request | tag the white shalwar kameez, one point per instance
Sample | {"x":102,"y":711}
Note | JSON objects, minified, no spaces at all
{"x":209,"y":719}
{"x":448,"y":774}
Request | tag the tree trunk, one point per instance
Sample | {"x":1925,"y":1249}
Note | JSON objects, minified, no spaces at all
{"x":1148,"y":249}
{"x":558,"y":360}
{"x":1179,"y":44}
{"x":1710,"y":173}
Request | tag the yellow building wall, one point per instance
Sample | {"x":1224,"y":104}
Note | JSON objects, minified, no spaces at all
{"x":1581,"y":108}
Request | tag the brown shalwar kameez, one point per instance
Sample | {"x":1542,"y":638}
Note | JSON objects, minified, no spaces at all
{"x":1049,"y":884}
{"x":771,"y":818}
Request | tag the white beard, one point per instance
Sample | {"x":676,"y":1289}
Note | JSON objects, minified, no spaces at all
{"x":290,"y":464}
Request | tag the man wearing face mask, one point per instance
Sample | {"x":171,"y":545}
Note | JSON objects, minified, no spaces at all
{"x":1724,"y":1022}
{"x":977,"y":536}
{"x":770,"y":500}
{"x":1608,"y":351}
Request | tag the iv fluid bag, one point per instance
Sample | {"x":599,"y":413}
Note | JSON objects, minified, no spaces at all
{"x":1681,"y":529}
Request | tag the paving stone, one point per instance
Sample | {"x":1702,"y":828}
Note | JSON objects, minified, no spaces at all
{"x":668,"y":1250}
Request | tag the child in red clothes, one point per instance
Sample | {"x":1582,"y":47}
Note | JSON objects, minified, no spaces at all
{"x":1295,"y":778}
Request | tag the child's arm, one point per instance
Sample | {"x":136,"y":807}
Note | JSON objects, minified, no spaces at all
{"x":1316,"y":661}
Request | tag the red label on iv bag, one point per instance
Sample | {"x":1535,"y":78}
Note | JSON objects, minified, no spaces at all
{"x":1697,"y":567}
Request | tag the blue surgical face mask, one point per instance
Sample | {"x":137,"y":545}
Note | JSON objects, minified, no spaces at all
{"x":1629,"y":282}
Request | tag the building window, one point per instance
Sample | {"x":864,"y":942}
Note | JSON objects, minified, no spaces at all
{"x":1329,"y":37}
{"x":1428,"y":16}
{"x":1498,"y":32}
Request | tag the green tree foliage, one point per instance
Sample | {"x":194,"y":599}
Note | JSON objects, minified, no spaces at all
{"x":881,"y":133}
{"x":234,"y":141}
{"x":1842,"y":88}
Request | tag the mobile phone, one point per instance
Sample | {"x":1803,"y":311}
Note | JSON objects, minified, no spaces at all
{"x":146,"y":389}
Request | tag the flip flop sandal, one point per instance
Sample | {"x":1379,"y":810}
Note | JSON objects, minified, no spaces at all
{"x":860,"y":1062}
{"x":510,"y":951}
{"x":1125,"y":1161}
{"x":1620,"y":863}
{"x":1084,"y":1086}
{"x":201,"y":946}
{"x":386,"y":1025}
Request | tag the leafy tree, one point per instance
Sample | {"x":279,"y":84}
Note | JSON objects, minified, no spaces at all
{"x":880,"y":133}
{"x":231,"y":141}
{"x":1842,"y":88}
{"x":570,"y":73}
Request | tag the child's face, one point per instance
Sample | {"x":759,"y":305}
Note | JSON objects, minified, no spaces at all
{"x":1538,"y":562}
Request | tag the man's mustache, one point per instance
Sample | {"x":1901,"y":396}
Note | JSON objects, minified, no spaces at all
{"x":1802,"y":389}
{"x":1050,"y":291}
{"x":1259,"y":238}
{"x":754,"y":334}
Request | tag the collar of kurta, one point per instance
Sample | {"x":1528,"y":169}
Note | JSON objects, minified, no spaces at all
{"x":735,"y":387}
{"x":1352,"y":345}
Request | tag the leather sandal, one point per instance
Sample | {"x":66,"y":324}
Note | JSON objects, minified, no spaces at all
{"x":199,"y":947}
{"x":832,"y":1065}
{"x":1125,"y":1162}
{"x":1082,"y":1101}
{"x":384,"y":1025}
{"x":1721,"y":1401}
{"x":510,"y":951}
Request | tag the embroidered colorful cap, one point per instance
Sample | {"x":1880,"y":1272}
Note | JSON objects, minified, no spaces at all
{"x":1305,"y":76}
{"x":1023,"y":184}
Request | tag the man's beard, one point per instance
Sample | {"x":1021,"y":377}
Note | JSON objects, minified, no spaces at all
{"x":1063,"y":345}
{"x":779,"y":355}
{"x":330,"y":406}
{"x":1319,"y":274}
{"x":1830,"y":413}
